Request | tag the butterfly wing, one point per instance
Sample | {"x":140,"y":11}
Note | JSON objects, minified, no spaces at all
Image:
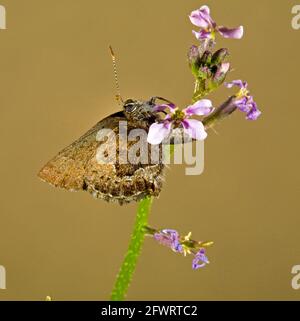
{"x":76,"y":168}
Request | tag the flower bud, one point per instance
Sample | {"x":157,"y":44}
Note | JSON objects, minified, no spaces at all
{"x":204,"y":73}
{"x":221,"y":73}
{"x":193,"y":55}
{"x":206,"y":58}
{"x":226,"y":109}
{"x":219,"y":56}
{"x":194,"y":60}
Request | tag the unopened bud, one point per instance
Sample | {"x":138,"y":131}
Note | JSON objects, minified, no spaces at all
{"x":204,"y":73}
{"x":194,"y":60}
{"x":219,"y":56}
{"x":221,"y":73}
{"x":193,"y":55}
{"x":206,"y":58}
{"x":220,"y":113}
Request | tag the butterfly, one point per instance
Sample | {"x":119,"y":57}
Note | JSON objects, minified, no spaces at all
{"x":76,"y":168}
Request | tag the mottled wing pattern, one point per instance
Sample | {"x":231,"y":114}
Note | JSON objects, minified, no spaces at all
{"x":75,"y":168}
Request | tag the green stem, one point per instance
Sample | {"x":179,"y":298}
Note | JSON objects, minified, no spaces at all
{"x":140,"y":228}
{"x":137,"y":239}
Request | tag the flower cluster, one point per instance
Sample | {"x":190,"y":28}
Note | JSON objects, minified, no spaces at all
{"x":182,"y":244}
{"x":210,"y":70}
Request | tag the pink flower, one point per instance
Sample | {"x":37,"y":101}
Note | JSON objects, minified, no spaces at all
{"x":243,"y":100}
{"x":208,"y":28}
{"x":183,"y":245}
{"x":180,"y":118}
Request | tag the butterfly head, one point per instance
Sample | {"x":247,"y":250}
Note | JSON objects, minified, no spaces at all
{"x":142,"y":110}
{"x":137,"y":110}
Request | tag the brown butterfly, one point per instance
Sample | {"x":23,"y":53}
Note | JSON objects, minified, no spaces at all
{"x":76,"y":168}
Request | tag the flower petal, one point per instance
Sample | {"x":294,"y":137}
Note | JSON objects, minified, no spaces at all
{"x":200,"y":257}
{"x":157,"y":132}
{"x":202,"y":34}
{"x":244,"y":104}
{"x":201,"y":17}
{"x":198,"y":20}
{"x":194,"y":128}
{"x":163,"y":107}
{"x":205,"y":9}
{"x":205,"y":12}
{"x":235,"y":33}
{"x":200,"y":108}
{"x":239,"y":83}
{"x":254,"y":113}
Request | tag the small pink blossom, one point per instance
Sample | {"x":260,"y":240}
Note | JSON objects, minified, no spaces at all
{"x":244,"y":101}
{"x":183,"y":245}
{"x":208,"y":27}
{"x":180,"y":118}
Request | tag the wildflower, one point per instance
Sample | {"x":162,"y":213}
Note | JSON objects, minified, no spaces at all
{"x":183,"y":245}
{"x":244,"y":101}
{"x":208,"y":27}
{"x":180,"y":118}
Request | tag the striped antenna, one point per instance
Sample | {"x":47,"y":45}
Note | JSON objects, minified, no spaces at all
{"x":113,"y":57}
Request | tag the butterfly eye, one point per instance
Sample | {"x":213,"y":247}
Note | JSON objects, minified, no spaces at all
{"x":129,"y":101}
{"x":130,"y":106}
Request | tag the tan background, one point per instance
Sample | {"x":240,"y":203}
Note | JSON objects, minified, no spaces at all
{"x":56,"y":82}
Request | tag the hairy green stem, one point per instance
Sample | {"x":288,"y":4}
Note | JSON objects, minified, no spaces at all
{"x":135,"y":245}
{"x":127,"y":269}
{"x":134,"y":249}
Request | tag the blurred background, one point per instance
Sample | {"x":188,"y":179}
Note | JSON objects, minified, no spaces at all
{"x":57,"y":81}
